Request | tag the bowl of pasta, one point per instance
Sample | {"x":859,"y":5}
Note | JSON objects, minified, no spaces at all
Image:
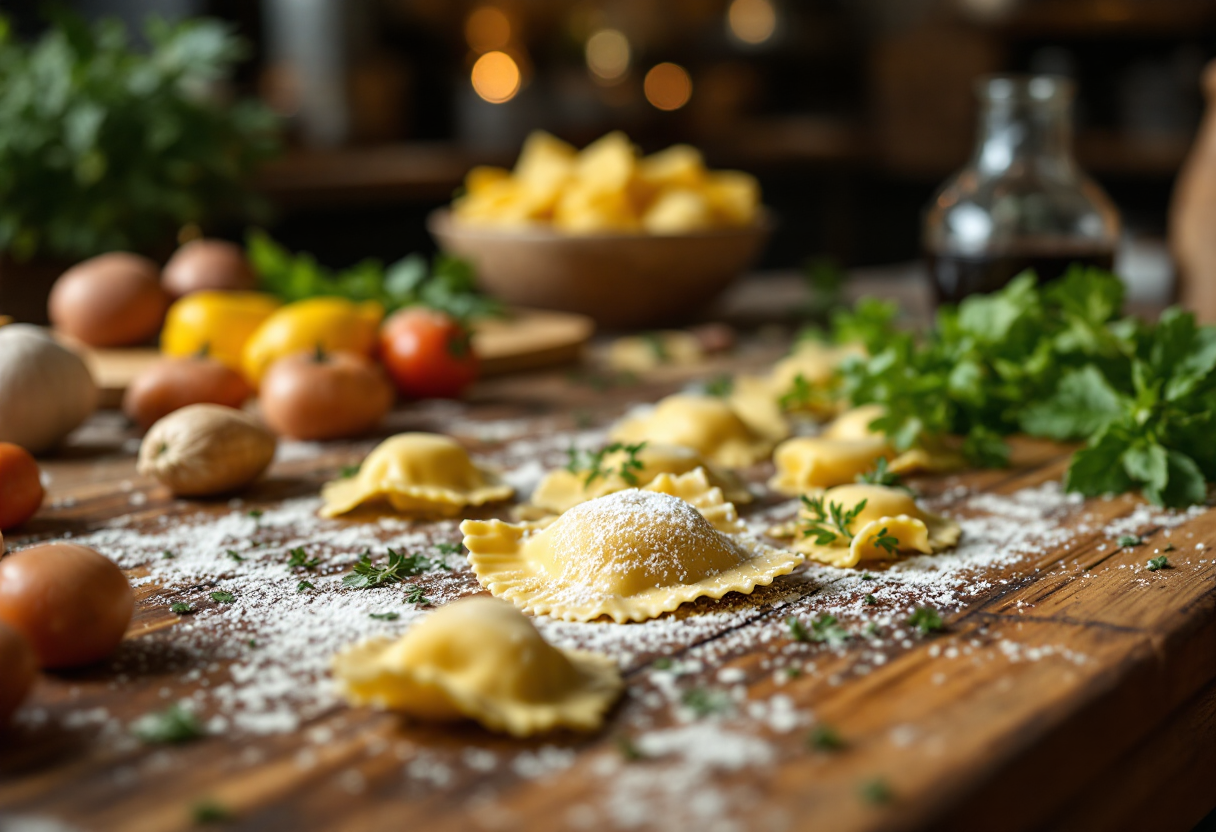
{"x":629,"y":241}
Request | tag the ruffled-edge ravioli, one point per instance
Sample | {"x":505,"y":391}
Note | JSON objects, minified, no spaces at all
{"x":707,"y":424}
{"x":482,"y":659}
{"x":756,"y":403}
{"x":890,"y":512}
{"x":631,"y":555}
{"x":417,"y":473}
{"x":562,"y":490}
{"x":811,"y":462}
{"x":854,"y":425}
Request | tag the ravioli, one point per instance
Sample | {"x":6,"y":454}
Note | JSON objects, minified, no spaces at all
{"x":883,"y":515}
{"x":756,"y":403}
{"x":631,"y":555}
{"x":416,"y":473}
{"x":934,"y":456}
{"x":806,"y":378}
{"x":706,"y":424}
{"x":481,"y":659}
{"x":643,"y":353}
{"x":563,"y":489}
{"x":811,"y":462}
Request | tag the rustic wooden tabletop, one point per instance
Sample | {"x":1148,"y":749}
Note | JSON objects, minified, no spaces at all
{"x":1071,"y":690}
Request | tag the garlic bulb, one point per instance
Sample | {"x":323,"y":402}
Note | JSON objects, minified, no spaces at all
{"x":206,"y":449}
{"x":45,"y":389}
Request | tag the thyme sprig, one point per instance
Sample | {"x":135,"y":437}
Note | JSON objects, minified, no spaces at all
{"x":828,"y":524}
{"x":591,"y":463}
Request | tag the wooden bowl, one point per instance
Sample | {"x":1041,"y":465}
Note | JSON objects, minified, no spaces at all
{"x":621,"y":280}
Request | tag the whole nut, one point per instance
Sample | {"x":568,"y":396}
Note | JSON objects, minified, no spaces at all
{"x":206,"y":449}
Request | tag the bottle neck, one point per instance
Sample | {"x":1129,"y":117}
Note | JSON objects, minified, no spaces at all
{"x":1020,"y":136}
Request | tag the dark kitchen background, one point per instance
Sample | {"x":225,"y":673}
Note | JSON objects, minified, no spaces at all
{"x":851,"y":112}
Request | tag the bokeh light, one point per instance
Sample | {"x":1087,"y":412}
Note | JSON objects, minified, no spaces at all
{"x":752,"y":21}
{"x":496,"y":77}
{"x":487,"y":29}
{"x":667,"y":86}
{"x":608,"y":54}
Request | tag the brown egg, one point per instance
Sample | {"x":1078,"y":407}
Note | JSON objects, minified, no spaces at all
{"x":173,"y":383}
{"x":18,"y":669}
{"x":71,"y":603}
{"x":207,"y":264}
{"x":324,"y":395}
{"x":113,"y":300}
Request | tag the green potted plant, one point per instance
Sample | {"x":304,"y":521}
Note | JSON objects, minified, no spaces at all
{"x":106,"y":147}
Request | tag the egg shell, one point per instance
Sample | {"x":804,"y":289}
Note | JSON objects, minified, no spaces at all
{"x":112,"y":300}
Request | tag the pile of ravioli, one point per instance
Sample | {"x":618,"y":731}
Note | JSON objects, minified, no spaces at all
{"x":649,"y":524}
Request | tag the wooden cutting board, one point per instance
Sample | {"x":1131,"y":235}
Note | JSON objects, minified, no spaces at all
{"x":527,"y":339}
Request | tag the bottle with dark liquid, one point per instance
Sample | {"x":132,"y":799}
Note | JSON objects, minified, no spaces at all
{"x":1021,"y":202}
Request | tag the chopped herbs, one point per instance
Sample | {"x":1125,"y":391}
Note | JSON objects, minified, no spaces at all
{"x":449,"y":548}
{"x":384,"y":616}
{"x":296,"y":558}
{"x":1169,"y":547}
{"x":346,"y":472}
{"x":704,"y":702}
{"x":886,"y":541}
{"x":304,"y":586}
{"x":797,"y":631}
{"x":1129,"y":540}
{"x":824,"y":738}
{"x":662,"y":663}
{"x":876,"y":792}
{"x":222,"y":596}
{"x":866,"y":576}
{"x":1161,"y":562}
{"x":167,"y":555}
{"x":823,"y":629}
{"x":366,"y":574}
{"x":592,"y":463}
{"x":230,"y":553}
{"x":871,"y":630}
{"x":209,"y":811}
{"x":255,"y":513}
{"x":827,"y":525}
{"x":181,"y":608}
{"x":721,"y":386}
{"x":927,"y":620}
{"x":252,"y":644}
{"x":880,"y":475}
{"x":793,"y":671}
{"x":175,"y":724}
{"x":414,"y":595}
{"x":869,"y":599}
{"x":628,"y":748}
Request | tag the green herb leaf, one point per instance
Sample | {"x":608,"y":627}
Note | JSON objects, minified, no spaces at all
{"x":384,"y":616}
{"x":223,"y":596}
{"x":824,"y":738}
{"x":238,"y":558}
{"x":210,"y":811}
{"x":1160,"y":562}
{"x":885,"y":541}
{"x":876,"y":792}
{"x":927,"y":620}
{"x":1129,"y":540}
{"x":175,"y":724}
{"x":298,"y":559}
{"x":181,"y":608}
{"x":720,"y":386}
{"x":869,"y":600}
{"x":627,"y":748}
{"x":167,"y":555}
{"x":414,"y":594}
{"x":366,"y":574}
{"x":880,"y":474}
{"x":449,"y":548}
{"x":304,"y":586}
{"x":798,"y":632}
{"x":346,"y":472}
{"x":705,"y":702}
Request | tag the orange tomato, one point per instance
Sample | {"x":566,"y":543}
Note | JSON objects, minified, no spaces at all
{"x":21,"y":489}
{"x":429,"y":354}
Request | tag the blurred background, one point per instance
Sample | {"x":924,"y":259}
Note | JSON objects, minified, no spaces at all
{"x":850,"y":112}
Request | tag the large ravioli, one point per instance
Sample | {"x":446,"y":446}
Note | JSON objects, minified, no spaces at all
{"x":563,"y":489}
{"x":630,"y":555}
{"x":882,"y":514}
{"x":707,"y":424}
{"x":481,"y":659}
{"x":416,"y":473}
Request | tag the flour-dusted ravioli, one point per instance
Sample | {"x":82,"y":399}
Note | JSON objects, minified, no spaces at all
{"x":807,"y":463}
{"x":416,"y":473}
{"x":756,"y":403}
{"x":880,"y":523}
{"x":621,"y":469}
{"x":706,"y":424}
{"x":631,"y":555}
{"x":481,"y":659}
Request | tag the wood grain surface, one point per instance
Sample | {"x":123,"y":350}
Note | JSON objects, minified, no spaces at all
{"x":1072,"y":690}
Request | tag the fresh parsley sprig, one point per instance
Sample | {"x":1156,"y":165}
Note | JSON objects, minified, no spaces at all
{"x":366,"y":574}
{"x":828,"y":524}
{"x":591,"y":463}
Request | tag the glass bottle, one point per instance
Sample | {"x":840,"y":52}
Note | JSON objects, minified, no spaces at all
{"x":1021,"y":202}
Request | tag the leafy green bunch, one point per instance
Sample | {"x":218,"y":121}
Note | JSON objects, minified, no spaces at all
{"x":1056,"y":361}
{"x":449,"y":284}
{"x":103,"y":147}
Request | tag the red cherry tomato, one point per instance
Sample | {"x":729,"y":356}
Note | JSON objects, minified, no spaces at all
{"x":20,"y":486}
{"x":428,"y":354}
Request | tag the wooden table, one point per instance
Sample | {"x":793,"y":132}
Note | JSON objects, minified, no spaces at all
{"x":1072,"y":690}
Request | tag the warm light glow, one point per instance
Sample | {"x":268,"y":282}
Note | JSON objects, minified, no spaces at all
{"x":487,"y":28}
{"x":496,"y":77}
{"x":752,"y":21}
{"x":668,"y":86}
{"x":608,"y":54}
